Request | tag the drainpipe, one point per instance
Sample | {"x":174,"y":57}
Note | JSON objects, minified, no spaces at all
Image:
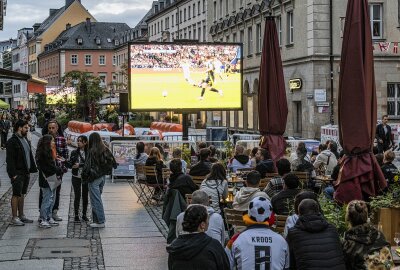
{"x":331,"y":59}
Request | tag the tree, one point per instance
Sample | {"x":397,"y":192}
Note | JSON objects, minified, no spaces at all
{"x":88,"y":91}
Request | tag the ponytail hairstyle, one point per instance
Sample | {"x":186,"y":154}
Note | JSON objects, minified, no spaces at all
{"x":193,"y":217}
{"x":357,"y":213}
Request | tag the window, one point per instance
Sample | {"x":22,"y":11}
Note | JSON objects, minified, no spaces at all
{"x":234,"y":5}
{"x":162,"y":27}
{"x":172,"y":21}
{"x":199,"y":33}
{"x":184,"y":14}
{"x":198,"y":8}
{"x":393,"y":99}
{"x":258,"y":44}
{"x":114,"y":60}
{"x":220,"y":8}
{"x":228,"y":38}
{"x":204,"y":33}
{"x":376,"y":20}
{"x":194,"y":10}
{"x":234,"y":37}
{"x":227,"y":7}
{"x":180,"y":16}
{"x":88,"y":59}
{"x":167,"y":23}
{"x":189,"y":13}
{"x":249,"y":41}
{"x":158,"y":27}
{"x":204,"y":6}
{"x":290,"y":28}
{"x":215,"y":10}
{"x":279,"y":29}
{"x":74,"y":59}
{"x":241,"y":3}
{"x":102,"y":60}
{"x":103,"y":79}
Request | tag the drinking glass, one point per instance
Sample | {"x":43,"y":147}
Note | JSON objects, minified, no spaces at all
{"x":397,"y":238}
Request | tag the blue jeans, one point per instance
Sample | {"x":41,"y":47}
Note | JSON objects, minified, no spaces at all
{"x":328,"y":192}
{"x":96,"y":189}
{"x":47,"y":203}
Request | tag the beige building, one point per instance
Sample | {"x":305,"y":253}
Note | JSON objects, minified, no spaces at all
{"x":310,"y":53}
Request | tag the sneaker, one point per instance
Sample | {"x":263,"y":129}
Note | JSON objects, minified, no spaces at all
{"x":201,"y":98}
{"x":220,"y":93}
{"x":56,"y":217}
{"x":97,"y":225}
{"x":84,"y":218}
{"x":39,"y":219}
{"x":53,"y":223}
{"x":77,"y":219}
{"x":44,"y":224}
{"x":25,"y":220}
{"x":16,"y":222}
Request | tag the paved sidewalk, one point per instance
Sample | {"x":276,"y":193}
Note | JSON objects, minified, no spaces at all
{"x":131,"y":240}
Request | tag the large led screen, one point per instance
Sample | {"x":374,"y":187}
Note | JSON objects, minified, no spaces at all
{"x":185,"y":77}
{"x":58,"y":94}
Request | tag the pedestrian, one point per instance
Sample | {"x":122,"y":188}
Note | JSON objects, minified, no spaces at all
{"x":195,"y":249}
{"x":62,"y":158}
{"x":99,"y":163}
{"x":383,"y":135}
{"x":4,"y":129}
{"x":76,"y":163}
{"x":20,"y":163}
{"x":46,"y":156}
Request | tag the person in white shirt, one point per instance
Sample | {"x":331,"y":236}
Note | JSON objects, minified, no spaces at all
{"x":258,"y":247}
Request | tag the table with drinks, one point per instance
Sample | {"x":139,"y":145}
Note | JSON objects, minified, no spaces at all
{"x":235,"y":182}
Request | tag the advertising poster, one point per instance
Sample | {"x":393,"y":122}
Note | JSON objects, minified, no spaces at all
{"x":124,"y":153}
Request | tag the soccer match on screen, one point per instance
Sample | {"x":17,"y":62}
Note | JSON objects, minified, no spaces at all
{"x":183,"y":76}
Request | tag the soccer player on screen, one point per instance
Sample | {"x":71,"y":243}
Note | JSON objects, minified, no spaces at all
{"x":186,"y":71}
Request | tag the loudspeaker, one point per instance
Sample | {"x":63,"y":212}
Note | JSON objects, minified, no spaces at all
{"x":123,"y":102}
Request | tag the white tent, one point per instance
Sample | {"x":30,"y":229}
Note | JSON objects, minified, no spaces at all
{"x":108,"y":101}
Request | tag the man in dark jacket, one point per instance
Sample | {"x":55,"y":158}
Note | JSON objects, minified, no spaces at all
{"x":20,"y":163}
{"x":313,"y":242}
{"x":180,"y":181}
{"x":203,"y":167}
{"x":283,"y":201}
{"x":383,"y":135}
{"x":264,"y":163}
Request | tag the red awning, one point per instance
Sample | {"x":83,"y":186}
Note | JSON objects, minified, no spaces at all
{"x":37,"y":86}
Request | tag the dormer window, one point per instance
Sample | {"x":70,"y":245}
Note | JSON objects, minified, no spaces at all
{"x":116,"y":42}
{"x":98,"y":40}
{"x":79,"y":40}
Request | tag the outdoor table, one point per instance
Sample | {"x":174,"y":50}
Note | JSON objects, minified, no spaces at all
{"x":324,"y":178}
{"x":395,"y":255}
{"x":229,"y":200}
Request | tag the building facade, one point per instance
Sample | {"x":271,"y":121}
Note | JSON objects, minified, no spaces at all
{"x":310,"y":51}
{"x":87,"y":47}
{"x":6,"y":48}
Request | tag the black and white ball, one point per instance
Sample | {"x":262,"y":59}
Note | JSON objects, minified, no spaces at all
{"x":260,"y":209}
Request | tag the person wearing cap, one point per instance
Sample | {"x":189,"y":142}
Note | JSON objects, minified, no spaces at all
{"x":250,"y":191}
{"x":313,"y":242}
{"x":258,"y":247}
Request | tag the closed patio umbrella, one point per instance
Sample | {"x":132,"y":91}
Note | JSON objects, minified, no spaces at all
{"x":272,"y":103}
{"x":360,"y":176}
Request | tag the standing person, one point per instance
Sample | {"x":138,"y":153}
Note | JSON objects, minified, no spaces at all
{"x":20,"y":163}
{"x":46,"y":159}
{"x":76,"y":163}
{"x":313,"y":242}
{"x":98,"y":164}
{"x":195,"y":249}
{"x":383,"y":135}
{"x":363,"y":240}
{"x":62,"y":157}
{"x":4,"y":128}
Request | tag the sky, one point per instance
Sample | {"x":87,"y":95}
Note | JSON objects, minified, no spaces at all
{"x":24,"y":13}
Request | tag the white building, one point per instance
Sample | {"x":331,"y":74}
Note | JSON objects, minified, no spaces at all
{"x":20,"y":64}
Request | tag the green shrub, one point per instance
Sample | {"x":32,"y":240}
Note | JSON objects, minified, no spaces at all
{"x":140,"y":123}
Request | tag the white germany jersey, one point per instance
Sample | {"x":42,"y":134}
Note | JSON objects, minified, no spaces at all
{"x":258,"y":249}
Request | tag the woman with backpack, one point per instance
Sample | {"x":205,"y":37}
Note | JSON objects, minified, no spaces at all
{"x":99,"y":163}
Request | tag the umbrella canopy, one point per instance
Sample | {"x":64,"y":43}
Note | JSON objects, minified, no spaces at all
{"x":360,"y":175}
{"x":4,"y":105}
{"x":272,"y":103}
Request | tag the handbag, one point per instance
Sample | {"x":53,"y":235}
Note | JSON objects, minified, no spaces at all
{"x":53,"y":180}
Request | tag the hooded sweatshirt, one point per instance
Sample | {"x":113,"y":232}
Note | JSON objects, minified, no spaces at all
{"x":315,"y":244}
{"x":265,"y":166}
{"x":141,"y":159}
{"x":213,"y":188}
{"x":215,"y":229}
{"x":244,"y":196}
{"x":326,"y":158}
{"x":196,"y":251}
{"x":240,"y":162}
{"x":360,"y":241}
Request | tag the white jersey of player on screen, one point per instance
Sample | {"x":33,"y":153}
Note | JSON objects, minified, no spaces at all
{"x":219,"y":68}
{"x":186,"y":72}
{"x":258,"y":248}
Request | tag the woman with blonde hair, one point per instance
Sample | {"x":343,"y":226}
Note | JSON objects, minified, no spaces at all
{"x":155,"y":159}
{"x":364,"y":246}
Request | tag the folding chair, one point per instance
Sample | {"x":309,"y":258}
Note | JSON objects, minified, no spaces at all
{"x":234,"y":219}
{"x":140,"y":179}
{"x":198,"y":179}
{"x":280,"y":221}
{"x":150,"y":171}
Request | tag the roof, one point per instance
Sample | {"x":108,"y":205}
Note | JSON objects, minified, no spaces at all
{"x":49,"y":21}
{"x":88,"y":32}
{"x":9,"y":74}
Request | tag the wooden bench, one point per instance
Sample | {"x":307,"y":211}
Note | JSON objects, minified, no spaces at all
{"x":234,"y":217}
{"x":304,"y":177}
{"x":280,"y":221}
{"x":198,"y":179}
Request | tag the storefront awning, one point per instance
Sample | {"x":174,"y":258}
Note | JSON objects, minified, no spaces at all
{"x":13,"y":75}
{"x":37,"y":86}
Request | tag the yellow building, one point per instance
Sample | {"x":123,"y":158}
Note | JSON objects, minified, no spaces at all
{"x":46,"y":32}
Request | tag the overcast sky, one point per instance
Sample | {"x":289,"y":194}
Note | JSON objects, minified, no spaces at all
{"x":24,"y":13}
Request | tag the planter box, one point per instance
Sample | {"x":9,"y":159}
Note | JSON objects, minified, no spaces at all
{"x":390,"y":220}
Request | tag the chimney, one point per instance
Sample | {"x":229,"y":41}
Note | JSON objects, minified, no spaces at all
{"x":88,"y":25}
{"x":36,"y":26}
{"x":67,"y":26}
{"x":52,"y":11}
